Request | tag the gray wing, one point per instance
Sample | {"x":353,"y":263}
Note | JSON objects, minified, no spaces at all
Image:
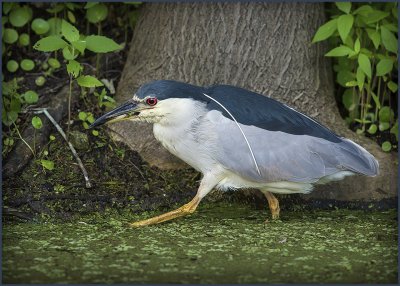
{"x":282,"y":156}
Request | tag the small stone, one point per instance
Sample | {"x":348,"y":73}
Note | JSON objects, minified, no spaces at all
{"x":79,"y":140}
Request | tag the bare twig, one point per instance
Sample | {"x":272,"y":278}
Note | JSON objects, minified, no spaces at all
{"x":26,"y":143}
{"x":59,"y":129}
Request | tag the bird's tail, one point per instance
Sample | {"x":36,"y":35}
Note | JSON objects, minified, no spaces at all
{"x":355,"y":158}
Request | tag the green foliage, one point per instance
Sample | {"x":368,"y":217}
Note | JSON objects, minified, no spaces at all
{"x":40,"y":80}
{"x":24,"y":39}
{"x":27,"y":65}
{"x":30,"y":97}
{"x":87,"y":118}
{"x":364,"y":46}
{"x":10,"y":36}
{"x":47,"y":164}
{"x":104,"y":99}
{"x":20,"y":16}
{"x":37,"y":122}
{"x":40,"y":26}
{"x":101,"y":44}
{"x":88,"y":81}
{"x":68,"y":52}
{"x":96,"y":12}
{"x":12,"y":66}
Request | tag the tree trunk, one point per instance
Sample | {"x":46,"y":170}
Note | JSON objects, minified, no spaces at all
{"x":261,"y":47}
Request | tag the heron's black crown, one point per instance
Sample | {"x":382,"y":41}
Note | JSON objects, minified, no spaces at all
{"x":247,"y":107}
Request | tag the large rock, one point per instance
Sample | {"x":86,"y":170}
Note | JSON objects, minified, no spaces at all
{"x":262,"y":47}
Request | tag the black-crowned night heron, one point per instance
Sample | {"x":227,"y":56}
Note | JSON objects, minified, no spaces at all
{"x":240,"y":139}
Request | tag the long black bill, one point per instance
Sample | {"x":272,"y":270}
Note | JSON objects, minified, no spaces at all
{"x":126,"y":109}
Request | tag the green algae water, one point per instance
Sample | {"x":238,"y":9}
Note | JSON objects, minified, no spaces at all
{"x":221,"y":243}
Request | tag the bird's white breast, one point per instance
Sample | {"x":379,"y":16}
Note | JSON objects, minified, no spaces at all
{"x":180,"y":134}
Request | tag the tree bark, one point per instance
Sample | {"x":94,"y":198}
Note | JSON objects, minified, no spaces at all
{"x":263,"y":47}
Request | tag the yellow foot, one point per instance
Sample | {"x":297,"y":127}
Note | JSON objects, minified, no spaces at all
{"x":275,"y":215}
{"x":182,"y":211}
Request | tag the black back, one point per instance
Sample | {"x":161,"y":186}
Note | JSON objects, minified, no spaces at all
{"x":247,"y":107}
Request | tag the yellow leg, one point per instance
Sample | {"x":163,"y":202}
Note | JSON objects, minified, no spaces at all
{"x":182,"y":211}
{"x":273,"y":204}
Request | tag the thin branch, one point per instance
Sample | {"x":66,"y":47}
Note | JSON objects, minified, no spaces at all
{"x":26,"y":143}
{"x":59,"y":129}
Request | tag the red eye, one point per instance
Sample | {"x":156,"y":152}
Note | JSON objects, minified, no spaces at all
{"x":151,"y":101}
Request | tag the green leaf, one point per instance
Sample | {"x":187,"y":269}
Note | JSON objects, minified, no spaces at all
{"x":365,"y":64}
{"x":24,"y":39}
{"x":50,"y":44}
{"x":10,"y":117}
{"x":386,"y":114}
{"x":40,"y":26}
{"x":19,"y":16}
{"x":389,"y":40}
{"x":55,"y":26}
{"x":375,"y":37}
{"x":10,"y":36}
{"x":68,"y":54}
{"x":69,"y":31}
{"x":89,"y":81}
{"x":71,"y":17}
{"x":79,"y":45}
{"x":54,"y":63}
{"x":384,"y":126}
{"x":82,"y":116}
{"x":386,"y":146}
{"x":37,"y":122}
{"x":392,"y":86}
{"x":8,"y":141}
{"x":74,"y":68}
{"x":7,"y":6}
{"x":372,"y":129}
{"x":375,"y":16}
{"x":344,"y":6}
{"x":90,"y":4}
{"x":349,"y":99}
{"x":95,"y":133}
{"x":364,"y":10}
{"x":344,"y":25}
{"x":376,"y":100}
{"x":344,"y":76}
{"x":31,"y":97}
{"x":49,"y":165}
{"x":351,"y":83}
{"x":362,"y":120}
{"x":97,"y":13}
{"x":56,"y":8}
{"x":101,"y":44}
{"x":384,"y":66}
{"x":325,"y":31}
{"x":360,"y":76}
{"x":339,"y":51}
{"x":391,"y":27}
{"x":52,"y":138}
{"x":12,"y":66}
{"x":90,"y":118}
{"x":27,"y":65}
{"x":357,"y":46}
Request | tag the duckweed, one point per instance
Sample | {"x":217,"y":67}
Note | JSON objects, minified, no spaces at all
{"x":221,"y":243}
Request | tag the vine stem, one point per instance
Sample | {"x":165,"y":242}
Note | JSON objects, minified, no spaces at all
{"x":69,"y":103}
{"x":98,"y":55}
{"x":23,"y":140}
{"x":378,"y":95}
